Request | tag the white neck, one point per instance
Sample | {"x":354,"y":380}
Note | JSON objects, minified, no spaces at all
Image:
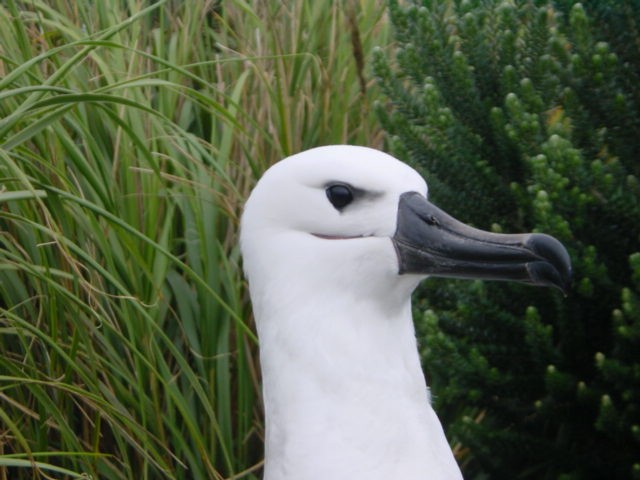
{"x":344,"y":393}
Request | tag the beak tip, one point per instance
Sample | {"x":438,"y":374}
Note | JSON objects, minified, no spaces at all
{"x":554,"y":267}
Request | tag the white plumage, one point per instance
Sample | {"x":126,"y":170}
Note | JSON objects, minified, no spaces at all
{"x":344,"y":393}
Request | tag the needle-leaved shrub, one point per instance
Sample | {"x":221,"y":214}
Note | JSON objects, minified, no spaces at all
{"x":525,"y":116}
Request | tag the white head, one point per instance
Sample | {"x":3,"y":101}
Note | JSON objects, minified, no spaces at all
{"x":354,"y":218}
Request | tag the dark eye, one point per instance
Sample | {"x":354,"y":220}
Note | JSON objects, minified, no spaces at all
{"x":339,"y":195}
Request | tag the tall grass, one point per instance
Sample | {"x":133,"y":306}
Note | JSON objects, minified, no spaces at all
{"x":130,"y":133}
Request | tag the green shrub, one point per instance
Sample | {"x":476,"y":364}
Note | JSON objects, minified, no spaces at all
{"x":524,"y":116}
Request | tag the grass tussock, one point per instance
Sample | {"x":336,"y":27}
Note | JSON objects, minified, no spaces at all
{"x":130,"y":133}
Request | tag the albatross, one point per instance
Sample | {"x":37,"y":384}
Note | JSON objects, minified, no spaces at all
{"x":334,"y":241}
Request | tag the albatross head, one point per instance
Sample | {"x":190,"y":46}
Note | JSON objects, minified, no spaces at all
{"x":334,"y":241}
{"x":358,"y":220}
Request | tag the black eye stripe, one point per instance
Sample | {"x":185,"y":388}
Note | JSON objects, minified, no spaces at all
{"x":340,"y":195}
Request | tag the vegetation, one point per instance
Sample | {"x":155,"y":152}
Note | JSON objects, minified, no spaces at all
{"x":130,"y":133}
{"x":524,"y":116}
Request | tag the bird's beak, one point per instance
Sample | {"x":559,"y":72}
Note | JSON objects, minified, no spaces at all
{"x":429,"y":241}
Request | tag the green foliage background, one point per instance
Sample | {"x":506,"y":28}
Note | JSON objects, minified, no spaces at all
{"x":525,"y":116}
{"x":130,"y":134}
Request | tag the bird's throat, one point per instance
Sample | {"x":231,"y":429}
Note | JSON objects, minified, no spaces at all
{"x":349,"y":388}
